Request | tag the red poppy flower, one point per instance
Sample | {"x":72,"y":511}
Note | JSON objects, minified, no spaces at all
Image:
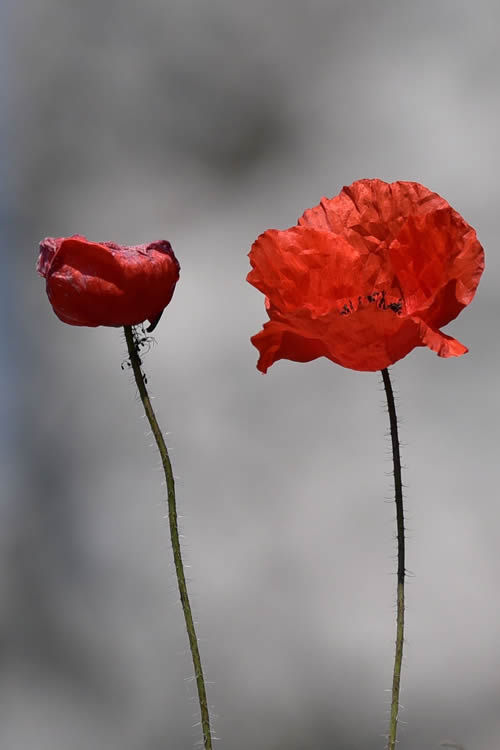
{"x":365,"y":277}
{"x":104,"y":284}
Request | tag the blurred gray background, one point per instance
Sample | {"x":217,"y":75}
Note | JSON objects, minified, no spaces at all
{"x":206,"y":123}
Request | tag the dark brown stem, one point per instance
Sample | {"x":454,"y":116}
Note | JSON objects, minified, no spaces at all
{"x":140,"y":379}
{"x":398,"y":488}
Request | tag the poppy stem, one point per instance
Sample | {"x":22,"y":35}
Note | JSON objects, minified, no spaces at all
{"x":140,"y":379}
{"x":398,"y":488}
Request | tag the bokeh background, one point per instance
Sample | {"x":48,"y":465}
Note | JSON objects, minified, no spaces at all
{"x":206,"y":123}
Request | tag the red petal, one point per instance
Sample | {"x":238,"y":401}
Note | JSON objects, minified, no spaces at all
{"x":439,"y":342}
{"x":364,"y":340}
{"x":49,"y":247}
{"x":93,"y":284}
{"x":303,"y":268}
{"x":279,"y":341}
{"x":372,"y":207}
{"x":438,"y":262}
{"x":366,"y":277}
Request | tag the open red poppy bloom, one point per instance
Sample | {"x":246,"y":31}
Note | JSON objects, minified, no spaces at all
{"x":104,"y":284}
{"x":365,"y":277}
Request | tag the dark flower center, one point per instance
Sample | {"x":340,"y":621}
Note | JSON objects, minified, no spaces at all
{"x":377,"y":298}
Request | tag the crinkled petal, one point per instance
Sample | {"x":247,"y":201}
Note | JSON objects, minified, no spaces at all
{"x":304,"y":268}
{"x":438,"y":262}
{"x":92,"y":284}
{"x":366,"y":277}
{"x":360,"y":341}
{"x":49,"y":247}
{"x":439,"y":342}
{"x":279,"y":341}
{"x":372,"y":207}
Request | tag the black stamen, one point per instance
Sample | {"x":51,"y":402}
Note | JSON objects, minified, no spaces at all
{"x":378,"y":298}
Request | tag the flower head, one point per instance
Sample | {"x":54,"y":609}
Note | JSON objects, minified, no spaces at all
{"x":366,"y":277}
{"x":104,"y":284}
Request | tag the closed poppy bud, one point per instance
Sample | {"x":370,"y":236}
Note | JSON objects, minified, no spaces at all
{"x":366,"y":277}
{"x":105,"y":284}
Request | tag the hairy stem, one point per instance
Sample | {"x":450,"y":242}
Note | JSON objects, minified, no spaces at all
{"x":135,"y":361}
{"x":398,"y":490}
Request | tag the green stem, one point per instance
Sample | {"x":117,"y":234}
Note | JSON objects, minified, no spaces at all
{"x":140,"y":379}
{"x":398,"y":488}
